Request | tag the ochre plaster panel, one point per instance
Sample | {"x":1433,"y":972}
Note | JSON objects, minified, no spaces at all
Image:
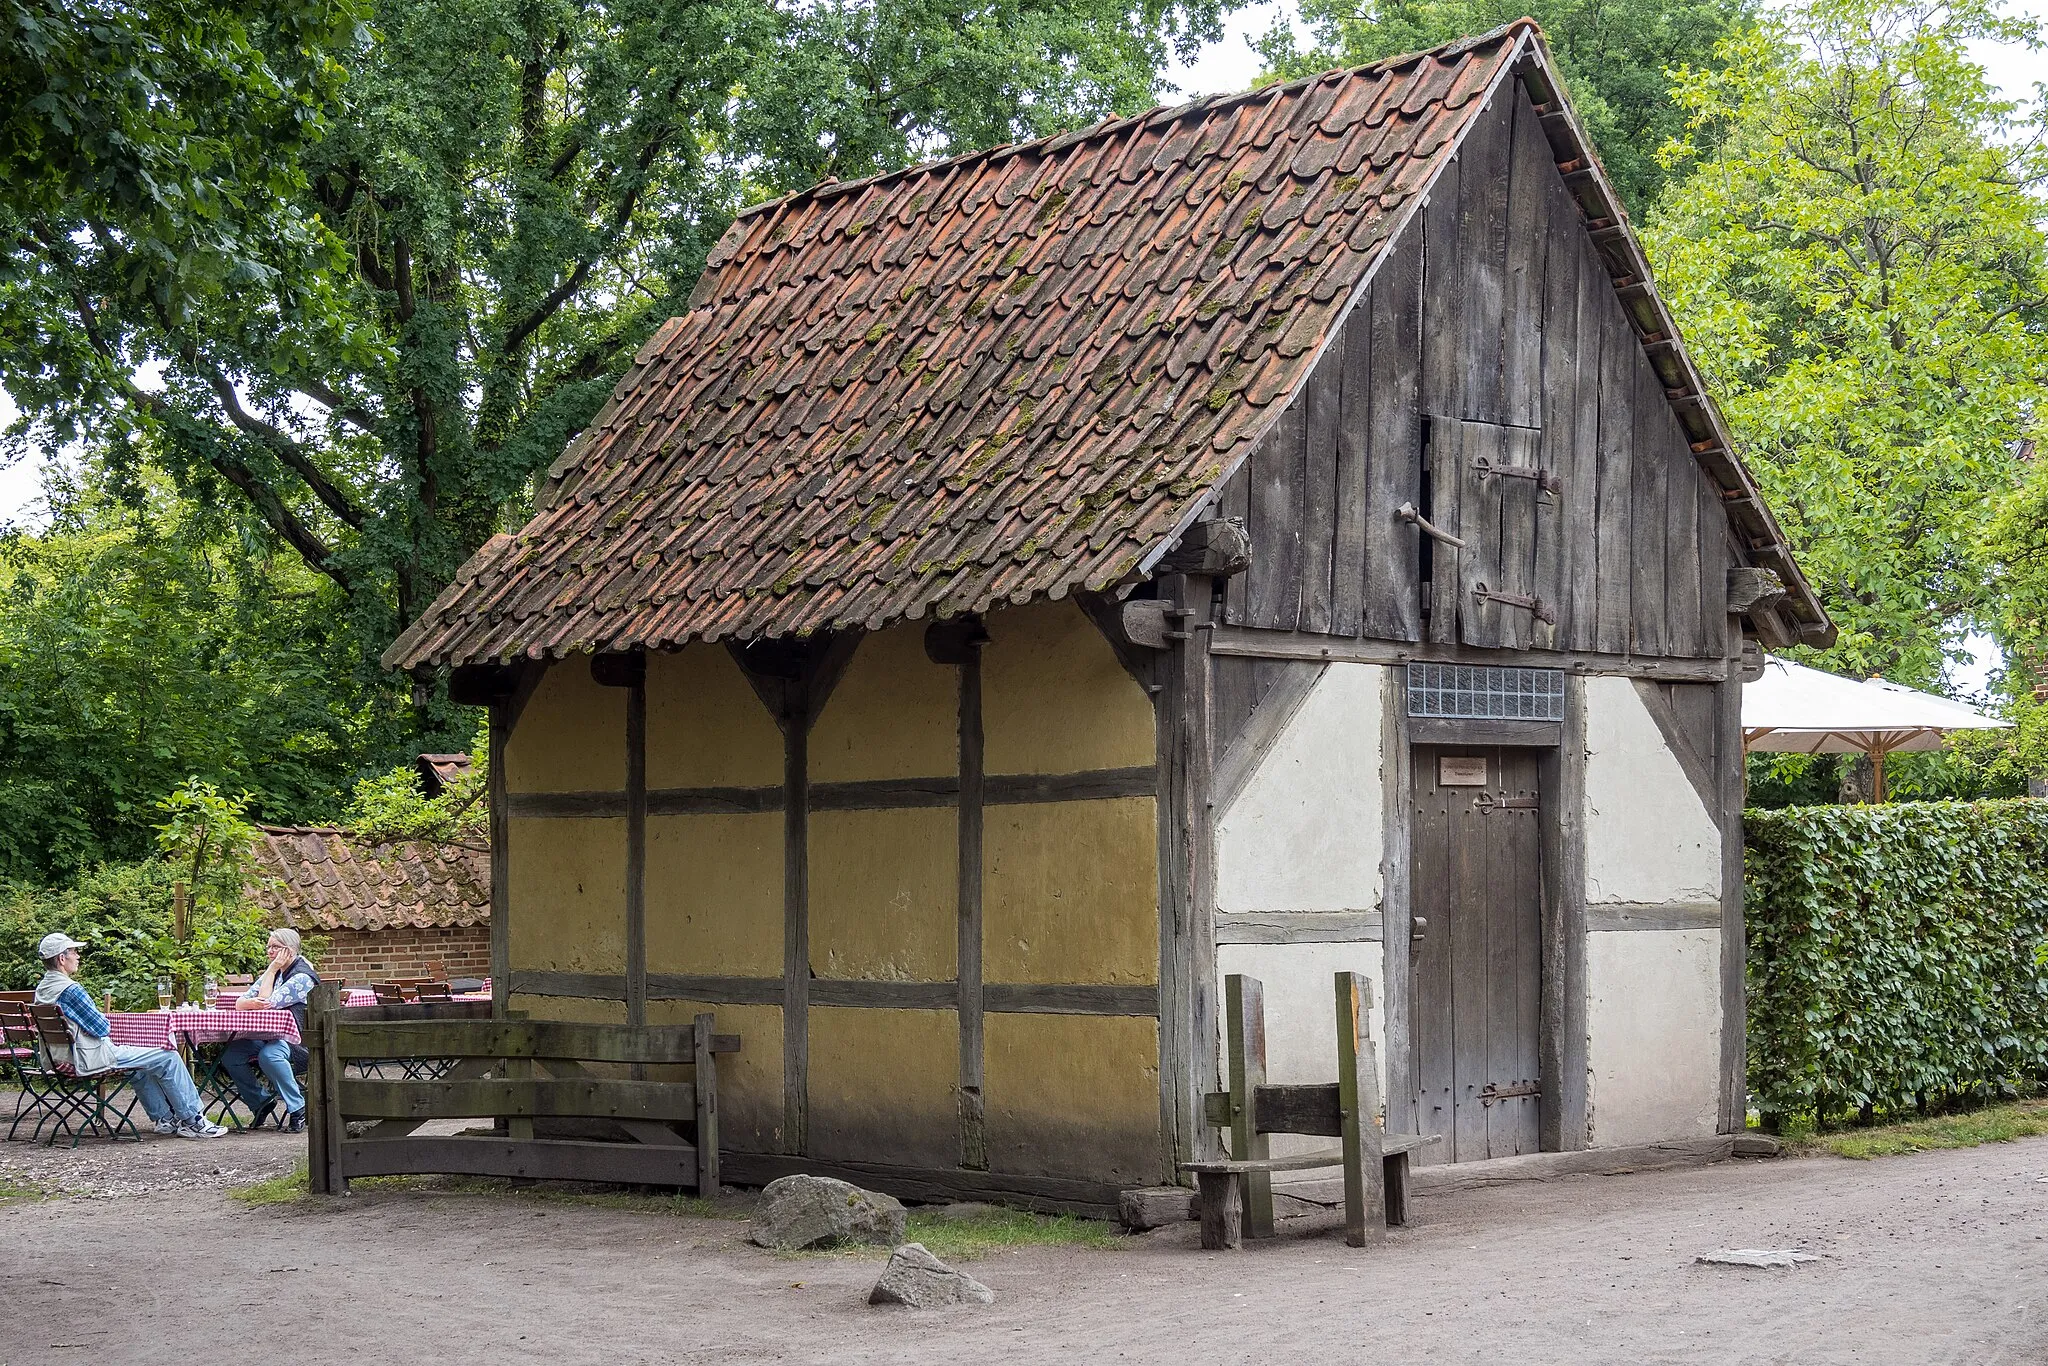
{"x":884,"y":894}
{"x":573,"y":1008}
{"x":1070,"y":892}
{"x":1054,"y":698}
{"x":571,"y":735}
{"x":567,"y":888}
{"x":749,"y":1081}
{"x":1074,"y":1095}
{"x":714,"y":894}
{"x":882,"y":1086}
{"x":894,"y":714}
{"x":705,"y":725}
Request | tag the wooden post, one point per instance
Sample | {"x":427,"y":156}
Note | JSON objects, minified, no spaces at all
{"x":1244,"y":1026}
{"x":317,"y":1116}
{"x":501,"y":860}
{"x":1358,"y":1103}
{"x":1561,"y":1030}
{"x":973,"y":1124}
{"x":636,"y":850}
{"x":796,"y":937}
{"x":705,"y":1065}
{"x":323,"y":1155}
{"x":1730,"y":761}
{"x":1187,"y":876}
{"x":1397,"y":870}
{"x":1222,"y":1209}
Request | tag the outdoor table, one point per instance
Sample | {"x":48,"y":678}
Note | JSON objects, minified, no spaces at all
{"x":197,"y":1027}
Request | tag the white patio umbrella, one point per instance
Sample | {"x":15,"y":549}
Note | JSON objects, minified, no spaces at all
{"x":1796,"y":710}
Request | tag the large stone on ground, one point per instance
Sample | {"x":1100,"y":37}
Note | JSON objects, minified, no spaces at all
{"x":921,"y":1281}
{"x":800,"y":1212}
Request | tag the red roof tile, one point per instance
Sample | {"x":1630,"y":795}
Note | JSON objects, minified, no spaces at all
{"x":317,"y":878}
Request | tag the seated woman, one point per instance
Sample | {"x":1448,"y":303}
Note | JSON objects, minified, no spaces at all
{"x":159,"y":1075}
{"x":284,"y":985}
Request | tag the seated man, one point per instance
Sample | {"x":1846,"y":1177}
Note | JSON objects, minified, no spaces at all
{"x":284,"y":985}
{"x":159,"y":1074}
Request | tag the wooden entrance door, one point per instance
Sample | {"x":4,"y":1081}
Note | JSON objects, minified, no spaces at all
{"x":1474,"y":969}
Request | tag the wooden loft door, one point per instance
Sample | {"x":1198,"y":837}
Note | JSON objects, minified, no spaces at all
{"x":1475,"y":969}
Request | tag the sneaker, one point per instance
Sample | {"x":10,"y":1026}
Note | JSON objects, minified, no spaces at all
{"x":263,"y":1112}
{"x":295,"y":1123}
{"x":166,"y":1127}
{"x":201,"y":1127}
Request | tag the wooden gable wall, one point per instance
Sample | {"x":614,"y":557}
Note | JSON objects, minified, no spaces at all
{"x":1491,"y":332}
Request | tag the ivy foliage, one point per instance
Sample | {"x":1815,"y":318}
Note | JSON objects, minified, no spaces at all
{"x":1896,"y":953}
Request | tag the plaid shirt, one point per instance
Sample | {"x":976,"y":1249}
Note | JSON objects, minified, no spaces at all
{"x":85,"y":1017}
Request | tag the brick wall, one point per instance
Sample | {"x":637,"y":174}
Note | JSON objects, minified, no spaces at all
{"x":360,"y":957}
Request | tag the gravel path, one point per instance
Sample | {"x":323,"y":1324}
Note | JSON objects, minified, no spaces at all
{"x":1934,"y":1258}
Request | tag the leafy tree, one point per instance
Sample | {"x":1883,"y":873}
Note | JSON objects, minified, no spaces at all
{"x":512,"y":198}
{"x":392,"y":806}
{"x":145,"y":640}
{"x":1613,"y":53}
{"x":1860,"y":266}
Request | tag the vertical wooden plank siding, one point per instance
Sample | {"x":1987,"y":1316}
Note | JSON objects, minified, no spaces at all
{"x":1521,"y":508}
{"x":1396,"y":874}
{"x":1448,"y":459}
{"x":636,"y":852}
{"x":1482,"y":251}
{"x":1532,"y":168}
{"x":1479,"y":522}
{"x":1467,"y":962}
{"x":1613,"y":549}
{"x":796,"y":934}
{"x":1442,"y":264}
{"x":1187,"y":879}
{"x":1685,"y":632}
{"x":973,"y":1127}
{"x":1392,"y":606}
{"x":1316,"y":512}
{"x":1729,"y":763}
{"x":1649,"y":469}
{"x":1574,"y":339}
{"x":1355,"y":458}
{"x":1235,"y":501}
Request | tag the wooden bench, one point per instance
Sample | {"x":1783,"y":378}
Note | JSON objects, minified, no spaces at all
{"x":1237,"y":1193}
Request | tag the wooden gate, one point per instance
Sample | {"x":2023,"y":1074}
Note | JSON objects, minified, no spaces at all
{"x":1475,"y":968}
{"x":515,"y":1071}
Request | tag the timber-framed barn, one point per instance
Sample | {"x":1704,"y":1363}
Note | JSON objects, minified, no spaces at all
{"x":1277,"y":534}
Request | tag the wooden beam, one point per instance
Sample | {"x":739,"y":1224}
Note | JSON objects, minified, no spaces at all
{"x":796,"y":936}
{"x":935,"y":1186}
{"x":638,"y":1164}
{"x":1610,"y":916}
{"x":662,"y":1045}
{"x":968,"y":999}
{"x":1561,"y":1025}
{"x":1070,"y":998}
{"x":1109,"y":616}
{"x":1730,"y":767}
{"x":1004,"y":998}
{"x":1250,"y":746}
{"x":885,"y":995}
{"x":869,"y":794}
{"x":1257,"y":644}
{"x":636,"y":844}
{"x":1438,"y":730}
{"x":1187,"y":896}
{"x":443,"y":1099}
{"x":1358,"y":1107}
{"x":1396,"y":878}
{"x":1298,"y":927}
{"x":1244,"y":1027}
{"x":501,"y":858}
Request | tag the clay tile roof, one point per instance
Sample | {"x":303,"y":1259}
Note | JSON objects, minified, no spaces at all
{"x":1009,"y":375}
{"x":438,"y":770}
{"x":317,"y":878}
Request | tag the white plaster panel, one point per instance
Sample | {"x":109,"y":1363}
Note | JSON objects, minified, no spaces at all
{"x":1301,"y":1013}
{"x":1649,"y":838}
{"x":1304,"y":834}
{"x":1654,"y":1034}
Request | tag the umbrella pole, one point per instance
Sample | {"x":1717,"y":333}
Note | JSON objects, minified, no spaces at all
{"x":1877,"y":775}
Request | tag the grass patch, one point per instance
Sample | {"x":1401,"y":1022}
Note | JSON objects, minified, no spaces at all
{"x":1005,"y":1230}
{"x":278,"y":1190}
{"x":1969,"y":1129}
{"x":10,"y":1193}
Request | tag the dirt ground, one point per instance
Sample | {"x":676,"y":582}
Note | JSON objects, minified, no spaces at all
{"x":1940,"y":1257}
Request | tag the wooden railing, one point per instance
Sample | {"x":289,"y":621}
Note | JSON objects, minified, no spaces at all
{"x":510,"y":1073}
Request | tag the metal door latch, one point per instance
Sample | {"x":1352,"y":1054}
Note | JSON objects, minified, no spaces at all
{"x":1535,"y":606}
{"x":1486,"y":801}
{"x":1545,"y":480}
{"x":1495,"y":1091}
{"x":1407,"y":513}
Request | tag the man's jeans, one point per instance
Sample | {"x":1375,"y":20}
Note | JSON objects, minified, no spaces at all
{"x":159,"y":1077}
{"x":274,"y":1056}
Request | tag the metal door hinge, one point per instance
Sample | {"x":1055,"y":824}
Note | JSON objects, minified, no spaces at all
{"x":1536,"y":606}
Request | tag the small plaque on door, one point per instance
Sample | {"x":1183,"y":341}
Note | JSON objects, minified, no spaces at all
{"x":1460,"y":771}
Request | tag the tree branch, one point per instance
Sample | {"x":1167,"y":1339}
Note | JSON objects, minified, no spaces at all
{"x":288,"y":451}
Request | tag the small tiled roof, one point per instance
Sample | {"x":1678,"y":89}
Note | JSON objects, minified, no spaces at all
{"x":1006,"y":376}
{"x":319,"y":878}
{"x":438,"y":770}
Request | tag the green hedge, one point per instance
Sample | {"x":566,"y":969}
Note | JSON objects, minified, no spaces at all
{"x":1896,"y":953}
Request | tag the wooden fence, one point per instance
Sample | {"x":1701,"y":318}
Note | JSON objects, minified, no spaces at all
{"x":509,"y":1073}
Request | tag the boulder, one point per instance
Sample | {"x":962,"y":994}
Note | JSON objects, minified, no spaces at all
{"x":800,"y":1212}
{"x":919,"y":1280}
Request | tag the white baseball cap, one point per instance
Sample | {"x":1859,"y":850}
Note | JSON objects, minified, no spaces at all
{"x":54,"y":944}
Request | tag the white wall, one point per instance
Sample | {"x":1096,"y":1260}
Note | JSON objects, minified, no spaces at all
{"x":1301,"y":1013}
{"x":1653,"y":1017}
{"x":1304,"y":834}
{"x":1653,"y":1022}
{"x":1649,"y":838}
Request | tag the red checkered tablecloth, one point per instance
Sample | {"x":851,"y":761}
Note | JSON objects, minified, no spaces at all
{"x":163,"y":1028}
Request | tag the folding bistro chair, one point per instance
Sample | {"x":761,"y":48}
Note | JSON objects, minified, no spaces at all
{"x":18,"y":1046}
{"x":11,"y":1054}
{"x":79,"y":1105}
